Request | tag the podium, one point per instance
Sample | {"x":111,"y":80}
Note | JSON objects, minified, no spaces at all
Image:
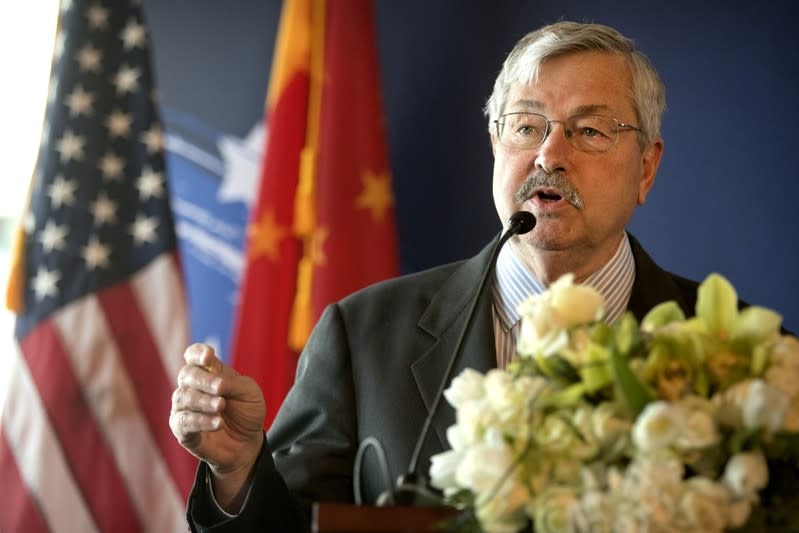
{"x":345,"y":518}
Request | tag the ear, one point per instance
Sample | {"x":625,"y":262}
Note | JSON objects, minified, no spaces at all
{"x":493,"y":144}
{"x":650,"y":162}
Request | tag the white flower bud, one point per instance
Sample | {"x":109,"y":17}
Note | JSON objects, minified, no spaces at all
{"x":466,"y":387}
{"x":746,"y":474}
{"x":657,"y":427}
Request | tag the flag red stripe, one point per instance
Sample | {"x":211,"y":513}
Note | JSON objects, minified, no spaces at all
{"x":18,"y":511}
{"x":140,"y":355}
{"x":84,"y":446}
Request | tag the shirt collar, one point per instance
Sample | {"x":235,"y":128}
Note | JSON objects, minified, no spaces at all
{"x":513,"y":283}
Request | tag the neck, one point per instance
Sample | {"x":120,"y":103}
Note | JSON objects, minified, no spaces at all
{"x":549,"y":265}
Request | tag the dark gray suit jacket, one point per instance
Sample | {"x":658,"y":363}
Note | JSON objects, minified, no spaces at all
{"x":372,"y":368}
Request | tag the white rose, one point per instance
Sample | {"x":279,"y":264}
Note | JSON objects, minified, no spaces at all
{"x":764,"y":406}
{"x":699,"y":429}
{"x":459,"y":436}
{"x":470,"y":419}
{"x":554,"y":509}
{"x":500,"y":497}
{"x":751,"y":404}
{"x":610,"y":429}
{"x":703,"y":505}
{"x":783,"y":369}
{"x":466,"y":387}
{"x":541,"y":334}
{"x":654,"y":483}
{"x":576,"y":304}
{"x":442,"y":470}
{"x":785,"y":353}
{"x":499,"y":393}
{"x":657,"y":427}
{"x":482,"y":466}
{"x":746,"y":474}
{"x":546,"y":317}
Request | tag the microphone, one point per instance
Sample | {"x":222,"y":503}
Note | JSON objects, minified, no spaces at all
{"x":412,"y":488}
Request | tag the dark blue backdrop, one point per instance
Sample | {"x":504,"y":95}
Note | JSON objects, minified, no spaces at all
{"x":725,"y":195}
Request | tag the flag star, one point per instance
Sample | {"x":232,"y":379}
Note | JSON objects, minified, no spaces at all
{"x":98,"y":17}
{"x":118,"y":123}
{"x":61,"y":192}
{"x":53,"y":236}
{"x":89,"y":58}
{"x":150,"y":184}
{"x":79,"y":102}
{"x":153,"y":138}
{"x":126,"y":79}
{"x":133,"y":35}
{"x":96,"y":254}
{"x":376,"y":195}
{"x":143,"y":229}
{"x":29,"y":222}
{"x":104,"y":210}
{"x":315,"y":247}
{"x":52,"y":91}
{"x":266,"y":235}
{"x":70,"y":146}
{"x":111,"y":166}
{"x":45,"y":132}
{"x":58,"y":45}
{"x":44,"y":284}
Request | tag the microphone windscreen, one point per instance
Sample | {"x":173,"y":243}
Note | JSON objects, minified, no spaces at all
{"x":524,"y":220}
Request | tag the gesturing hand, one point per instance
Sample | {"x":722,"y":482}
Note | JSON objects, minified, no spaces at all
{"x":218,"y":415}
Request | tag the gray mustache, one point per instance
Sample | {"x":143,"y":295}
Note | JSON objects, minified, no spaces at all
{"x":556,"y":181}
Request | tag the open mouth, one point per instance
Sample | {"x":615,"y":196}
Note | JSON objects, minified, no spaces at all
{"x":548,"y":195}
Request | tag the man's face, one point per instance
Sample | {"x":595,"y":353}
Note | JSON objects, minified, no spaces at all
{"x":605,"y":187}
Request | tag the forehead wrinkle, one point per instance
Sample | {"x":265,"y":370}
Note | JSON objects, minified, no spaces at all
{"x":529,"y":104}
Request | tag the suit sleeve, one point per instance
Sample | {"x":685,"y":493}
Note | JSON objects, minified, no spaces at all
{"x":309,"y":451}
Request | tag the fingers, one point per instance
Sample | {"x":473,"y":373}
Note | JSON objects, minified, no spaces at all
{"x":202,"y":355}
{"x":190,"y":399}
{"x":187,"y":426}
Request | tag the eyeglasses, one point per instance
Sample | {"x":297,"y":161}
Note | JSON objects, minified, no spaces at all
{"x":586,"y":132}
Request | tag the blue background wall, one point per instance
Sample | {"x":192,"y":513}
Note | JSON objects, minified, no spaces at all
{"x":725,"y":196}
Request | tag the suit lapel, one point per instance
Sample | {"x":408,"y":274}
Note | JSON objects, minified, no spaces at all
{"x":444,"y":319}
{"x":653,"y":286}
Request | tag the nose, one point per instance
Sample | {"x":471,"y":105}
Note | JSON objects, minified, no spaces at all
{"x":555,"y":152}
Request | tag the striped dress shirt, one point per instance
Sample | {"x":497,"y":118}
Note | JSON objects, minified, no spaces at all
{"x":512,"y":283}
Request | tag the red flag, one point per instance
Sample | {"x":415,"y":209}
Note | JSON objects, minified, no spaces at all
{"x":102,"y":322}
{"x":323,"y":224}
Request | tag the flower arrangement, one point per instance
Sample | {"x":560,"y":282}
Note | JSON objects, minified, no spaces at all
{"x":673,"y":424}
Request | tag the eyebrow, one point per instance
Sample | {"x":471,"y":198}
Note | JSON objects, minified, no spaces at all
{"x":535,"y":105}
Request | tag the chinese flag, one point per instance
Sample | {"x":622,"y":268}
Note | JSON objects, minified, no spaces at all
{"x":323,"y":223}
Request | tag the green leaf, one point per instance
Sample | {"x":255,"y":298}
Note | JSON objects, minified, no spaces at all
{"x":567,"y":397}
{"x":756,"y":324}
{"x":759,"y":359}
{"x":595,"y":372}
{"x":717,"y":304}
{"x":627,"y":334}
{"x":662,"y":314}
{"x":633,"y":392}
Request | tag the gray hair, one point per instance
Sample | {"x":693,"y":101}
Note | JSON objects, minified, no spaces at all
{"x":563,"y":38}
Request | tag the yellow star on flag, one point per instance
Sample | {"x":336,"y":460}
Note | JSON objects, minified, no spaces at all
{"x":376,"y":195}
{"x":316,"y":246}
{"x":266,"y":235}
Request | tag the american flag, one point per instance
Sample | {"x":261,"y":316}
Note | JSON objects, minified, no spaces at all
{"x":85,"y":443}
